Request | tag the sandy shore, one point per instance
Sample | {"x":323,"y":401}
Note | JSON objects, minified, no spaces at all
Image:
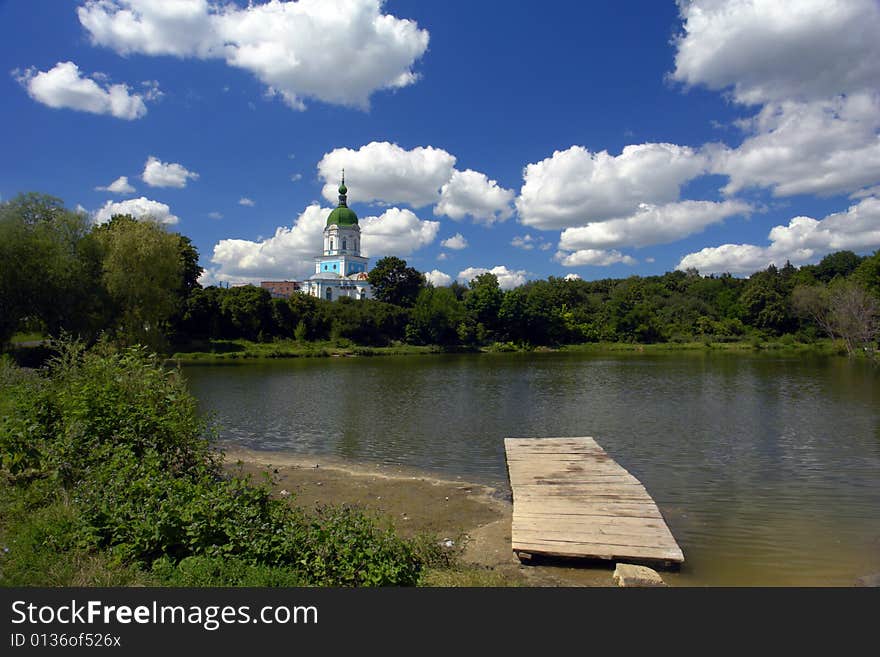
{"x":476,"y":517}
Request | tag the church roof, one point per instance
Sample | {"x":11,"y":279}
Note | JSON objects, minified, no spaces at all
{"x":342,"y":215}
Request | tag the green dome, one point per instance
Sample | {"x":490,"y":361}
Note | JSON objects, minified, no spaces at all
{"x":342,"y":216}
{"x":343,"y":189}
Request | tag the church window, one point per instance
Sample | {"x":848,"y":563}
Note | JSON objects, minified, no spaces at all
{"x":344,"y":247}
{"x":329,"y":294}
{"x":331,"y":243}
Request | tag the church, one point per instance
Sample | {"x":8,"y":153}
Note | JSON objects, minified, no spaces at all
{"x":341,"y":271}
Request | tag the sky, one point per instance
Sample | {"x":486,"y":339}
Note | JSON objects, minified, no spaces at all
{"x":581,"y":139}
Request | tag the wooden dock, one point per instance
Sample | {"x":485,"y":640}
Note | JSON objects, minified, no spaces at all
{"x":570,"y":499}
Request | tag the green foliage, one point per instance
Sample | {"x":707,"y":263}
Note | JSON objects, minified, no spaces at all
{"x":435,"y":318}
{"x":119,"y":469}
{"x":394,"y":282}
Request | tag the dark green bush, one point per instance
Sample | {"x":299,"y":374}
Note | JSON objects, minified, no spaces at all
{"x":115,"y":439}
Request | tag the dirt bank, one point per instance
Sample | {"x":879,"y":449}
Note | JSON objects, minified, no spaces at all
{"x":472,"y":515}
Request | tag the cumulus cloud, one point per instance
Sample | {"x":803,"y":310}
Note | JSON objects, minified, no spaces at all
{"x":64,"y":86}
{"x":814,"y":68}
{"x":437,"y":278}
{"x":594,"y":257}
{"x":455,"y":242}
{"x":166,"y":174}
{"x":651,"y":224}
{"x":118,"y":186}
{"x":472,"y":193}
{"x":289,"y":253}
{"x":529,"y":242}
{"x":774,"y":50}
{"x":337,"y":52}
{"x":803,"y":240}
{"x":572,"y":277}
{"x":386,"y":173}
{"x":244,"y":200}
{"x":820,"y":147}
{"x":139,"y":208}
{"x":397,"y":231}
{"x":507,"y":278}
{"x":575,"y":186}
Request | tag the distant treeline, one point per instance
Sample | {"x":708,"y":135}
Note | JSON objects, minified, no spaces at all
{"x":137,"y":282}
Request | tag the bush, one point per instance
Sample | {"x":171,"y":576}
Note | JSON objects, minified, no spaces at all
{"x":114,"y":442}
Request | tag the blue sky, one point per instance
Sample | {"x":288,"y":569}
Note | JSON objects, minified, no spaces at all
{"x":558,"y":138}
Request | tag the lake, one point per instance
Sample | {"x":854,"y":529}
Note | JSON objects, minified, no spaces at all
{"x":766,"y":467}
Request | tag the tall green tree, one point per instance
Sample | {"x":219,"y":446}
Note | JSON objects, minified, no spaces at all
{"x":435,"y":317}
{"x":49,"y":268}
{"x":482,"y":302}
{"x":144,"y":274}
{"x":394,"y":282}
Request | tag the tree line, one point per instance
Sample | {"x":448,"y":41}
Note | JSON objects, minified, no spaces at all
{"x":137,"y":282}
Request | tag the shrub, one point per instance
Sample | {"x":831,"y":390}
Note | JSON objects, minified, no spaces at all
{"x":124,"y":469}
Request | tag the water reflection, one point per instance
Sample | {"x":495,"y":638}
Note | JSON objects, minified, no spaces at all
{"x":767,"y":468}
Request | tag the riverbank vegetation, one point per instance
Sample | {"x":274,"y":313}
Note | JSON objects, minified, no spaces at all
{"x":108,"y":477}
{"x":135,"y":282}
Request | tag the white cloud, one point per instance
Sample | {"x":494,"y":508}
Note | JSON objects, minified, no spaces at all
{"x":65,"y":87}
{"x":244,"y":200}
{"x":507,"y":278}
{"x":118,"y":186}
{"x":524,"y":242}
{"x":397,"y":231}
{"x":529,"y":242}
{"x":594,"y":257}
{"x":575,"y":186}
{"x":455,"y":242}
{"x":819,"y":147}
{"x":813,"y":66}
{"x":139,"y":208}
{"x":437,"y":278}
{"x":215,"y":215}
{"x":775,"y":50}
{"x":572,"y":277}
{"x":296,"y":177}
{"x":802,"y":241}
{"x":651,"y":224}
{"x":289,"y":253}
{"x":335,"y":51}
{"x":442,"y":256}
{"x":472,"y":193}
{"x":386,"y":173}
{"x":166,"y":174}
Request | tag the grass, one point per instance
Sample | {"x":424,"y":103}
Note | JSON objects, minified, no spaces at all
{"x":826,"y":347}
{"x":237,"y":350}
{"x":27,"y":337}
{"x":232,"y":350}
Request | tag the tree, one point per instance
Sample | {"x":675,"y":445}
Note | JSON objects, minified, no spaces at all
{"x":394,"y":282}
{"x":844,"y":310}
{"x":49,"y":268}
{"x":867,"y":274}
{"x":435,"y":317}
{"x":483,"y":301}
{"x":143,"y":273}
{"x":854,"y":315}
{"x":247,"y":310}
{"x":840,"y":263}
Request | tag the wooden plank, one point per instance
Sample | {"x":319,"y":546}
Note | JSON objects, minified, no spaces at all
{"x":571,"y":499}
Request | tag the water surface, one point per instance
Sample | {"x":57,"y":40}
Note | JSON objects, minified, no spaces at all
{"x":767,"y":468}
